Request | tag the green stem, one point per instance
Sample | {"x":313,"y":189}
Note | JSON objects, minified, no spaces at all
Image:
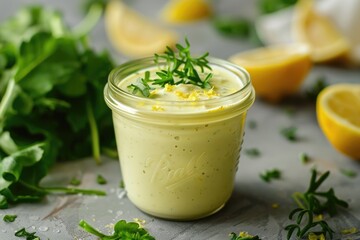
{"x":50,"y":190}
{"x":94,"y":133}
{"x":112,"y":153}
{"x":7,"y":98}
{"x":89,"y":22}
{"x":298,"y":197}
{"x":87,"y":227}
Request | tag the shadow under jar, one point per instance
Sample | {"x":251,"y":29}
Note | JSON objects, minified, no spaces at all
{"x":179,"y":148}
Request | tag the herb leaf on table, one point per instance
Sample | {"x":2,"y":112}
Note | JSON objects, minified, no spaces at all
{"x":314,"y":202}
{"x":52,"y":106}
{"x":122,"y":230}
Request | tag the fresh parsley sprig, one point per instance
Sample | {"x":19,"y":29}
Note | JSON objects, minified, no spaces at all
{"x":52,"y":106}
{"x":122,"y":231}
{"x":181,"y":68}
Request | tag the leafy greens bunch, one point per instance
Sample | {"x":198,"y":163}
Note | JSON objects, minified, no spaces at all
{"x":52,"y":107}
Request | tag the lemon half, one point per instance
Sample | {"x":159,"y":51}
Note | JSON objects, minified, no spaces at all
{"x":276,"y":71}
{"x":325,"y":41}
{"x":338,"y":114}
{"x":133,"y":34}
{"x":183,"y":11}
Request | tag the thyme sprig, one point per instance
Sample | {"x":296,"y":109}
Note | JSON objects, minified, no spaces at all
{"x":181,"y":68}
{"x":314,"y":202}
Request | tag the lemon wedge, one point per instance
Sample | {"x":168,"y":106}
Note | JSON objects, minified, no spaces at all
{"x":276,"y":71}
{"x":134,"y":35}
{"x":338,"y":114}
{"x":326,"y":42}
{"x":182,"y":11}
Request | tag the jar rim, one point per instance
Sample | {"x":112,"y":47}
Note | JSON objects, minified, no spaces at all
{"x":112,"y":91}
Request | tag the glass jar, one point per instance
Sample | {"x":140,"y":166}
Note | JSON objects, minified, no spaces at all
{"x":178,"y":163}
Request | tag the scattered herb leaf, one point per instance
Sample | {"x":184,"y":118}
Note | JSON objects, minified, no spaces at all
{"x":252,"y":152}
{"x":100,"y":179}
{"x":243,"y":236}
{"x":314,"y":202}
{"x":290,"y":111}
{"x":122,"y":230}
{"x":270,"y":175}
{"x":269,"y":6}
{"x":232,"y":26}
{"x":313,"y":91}
{"x":348,"y":172}
{"x":75,"y":181}
{"x":304,"y":158}
{"x":9,"y":218}
{"x":252,"y":124}
{"x":29,"y":236}
{"x":181,"y":68}
{"x":289,"y":133}
{"x":122,"y":184}
{"x":310,"y":224}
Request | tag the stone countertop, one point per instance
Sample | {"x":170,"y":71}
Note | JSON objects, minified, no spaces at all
{"x":251,"y":205}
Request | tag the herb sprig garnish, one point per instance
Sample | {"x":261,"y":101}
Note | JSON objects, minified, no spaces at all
{"x":314,"y":202}
{"x":181,"y":68}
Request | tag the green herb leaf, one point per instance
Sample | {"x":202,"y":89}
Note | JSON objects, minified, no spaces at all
{"x":289,"y":133}
{"x":75,"y":181}
{"x":122,"y":230}
{"x":232,"y":26}
{"x":9,"y":218}
{"x":51,"y":80}
{"x":304,"y":158}
{"x":348,"y":172}
{"x":270,"y":175}
{"x":122,"y":184}
{"x":24,"y":234}
{"x":313,"y":91}
{"x":252,"y":124}
{"x":269,"y":6}
{"x":252,"y":152}
{"x":100,"y":179}
{"x":181,"y":68}
{"x":314,"y":202}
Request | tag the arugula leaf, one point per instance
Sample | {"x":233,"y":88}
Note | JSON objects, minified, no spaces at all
{"x":122,"y":231}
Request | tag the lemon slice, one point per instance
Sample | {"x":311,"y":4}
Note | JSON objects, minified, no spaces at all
{"x":276,"y":71}
{"x":326,"y":42}
{"x":338,"y":114}
{"x":133,"y":34}
{"x":181,"y":11}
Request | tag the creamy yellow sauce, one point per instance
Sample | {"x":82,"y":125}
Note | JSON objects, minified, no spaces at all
{"x":176,"y":170}
{"x":222,"y":84}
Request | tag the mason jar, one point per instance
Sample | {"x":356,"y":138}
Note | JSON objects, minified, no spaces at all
{"x":178,"y":158}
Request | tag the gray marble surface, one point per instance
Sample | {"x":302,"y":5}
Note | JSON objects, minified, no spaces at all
{"x":250,"y":207}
